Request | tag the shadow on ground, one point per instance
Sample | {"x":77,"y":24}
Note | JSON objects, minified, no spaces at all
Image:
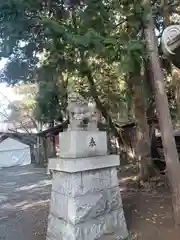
{"x":148,"y":213}
{"x":24,"y":203}
{"x":24,"y":207}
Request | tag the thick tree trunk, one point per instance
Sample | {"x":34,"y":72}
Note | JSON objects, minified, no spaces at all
{"x":143,"y":150}
{"x":165,"y":10}
{"x":174,"y":71}
{"x":176,"y":86}
{"x":170,"y":151}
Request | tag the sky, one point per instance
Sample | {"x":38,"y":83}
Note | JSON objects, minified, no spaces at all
{"x":7,"y":94}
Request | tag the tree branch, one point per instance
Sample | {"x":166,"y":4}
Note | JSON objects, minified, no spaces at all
{"x":87,"y":73}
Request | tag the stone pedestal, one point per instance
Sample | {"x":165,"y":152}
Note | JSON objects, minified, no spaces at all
{"x":79,"y":144}
{"x":85,"y":201}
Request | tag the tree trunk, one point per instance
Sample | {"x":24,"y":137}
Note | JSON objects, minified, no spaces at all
{"x":170,"y":151}
{"x":86,"y":72}
{"x":176,"y":86}
{"x":44,"y":149}
{"x":52,"y":144}
{"x":165,"y":10}
{"x":174,"y":71}
{"x":143,"y":150}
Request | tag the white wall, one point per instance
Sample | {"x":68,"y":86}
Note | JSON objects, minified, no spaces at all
{"x":14,"y":153}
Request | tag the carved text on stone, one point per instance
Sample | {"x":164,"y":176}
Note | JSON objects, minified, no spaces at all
{"x":92,"y":142}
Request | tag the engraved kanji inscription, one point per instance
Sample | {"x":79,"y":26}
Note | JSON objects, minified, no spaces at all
{"x":92,"y":143}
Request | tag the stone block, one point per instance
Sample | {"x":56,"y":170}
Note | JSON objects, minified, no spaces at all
{"x":73,"y":165}
{"x":114,"y":177}
{"x":90,"y":206}
{"x":67,"y":183}
{"x":51,"y":236}
{"x":54,"y":231}
{"x":77,"y":144}
{"x":59,"y":205}
{"x":81,"y":183}
{"x":86,"y":207}
{"x":93,"y":181}
{"x":59,"y":229}
{"x":110,"y":226}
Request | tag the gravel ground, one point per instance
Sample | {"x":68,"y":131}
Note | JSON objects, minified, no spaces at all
{"x":24,"y":203}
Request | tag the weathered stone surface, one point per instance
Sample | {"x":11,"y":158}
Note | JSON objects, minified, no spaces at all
{"x":82,"y":113}
{"x":72,"y":165}
{"x":59,"y":229}
{"x":112,"y":224}
{"x":86,"y":201}
{"x":114,"y":177}
{"x":94,"y":181}
{"x":59,"y":205}
{"x":54,"y":231}
{"x":83,"y":208}
{"x":82,"y":183}
{"x":51,"y":236}
{"x":77,"y":144}
{"x":92,"y":206}
{"x":67,"y":183}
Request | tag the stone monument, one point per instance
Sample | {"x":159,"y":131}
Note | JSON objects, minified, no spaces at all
{"x":85,"y":200}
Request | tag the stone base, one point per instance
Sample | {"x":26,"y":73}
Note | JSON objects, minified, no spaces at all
{"x":109,"y":227}
{"x":73,"y":165}
{"x":86,"y":206}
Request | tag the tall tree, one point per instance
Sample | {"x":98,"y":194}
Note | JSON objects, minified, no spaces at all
{"x":143,"y":152}
{"x":80,"y":39}
{"x":170,"y":151}
{"x":136,"y":83}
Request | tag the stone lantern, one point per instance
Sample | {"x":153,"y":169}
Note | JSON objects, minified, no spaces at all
{"x":85,"y":200}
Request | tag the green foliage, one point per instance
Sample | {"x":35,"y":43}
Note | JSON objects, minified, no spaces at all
{"x":51,"y":103}
{"x":21,"y":112}
{"x":103,"y":36}
{"x":90,"y":31}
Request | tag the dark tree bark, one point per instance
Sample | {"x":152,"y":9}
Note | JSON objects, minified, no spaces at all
{"x":170,"y":151}
{"x":143,"y":148}
{"x":143,"y":151}
{"x":175,"y":72}
{"x":176,"y":87}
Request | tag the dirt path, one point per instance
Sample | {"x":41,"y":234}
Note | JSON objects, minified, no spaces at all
{"x":149,"y":217}
{"x":24,"y":202}
{"x":148,"y":210}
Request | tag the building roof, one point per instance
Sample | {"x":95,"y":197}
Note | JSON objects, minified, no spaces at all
{"x":54,"y":130}
{"x":26,"y":138}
